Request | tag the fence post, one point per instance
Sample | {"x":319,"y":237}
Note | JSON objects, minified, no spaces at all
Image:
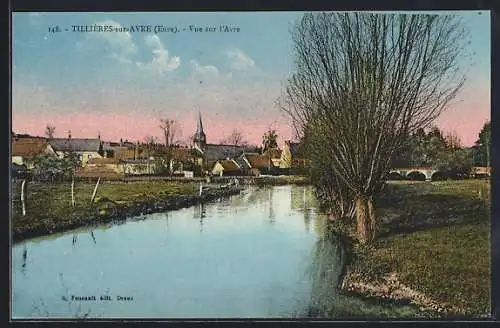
{"x":23,"y":184}
{"x":73,"y":191}
{"x":95,"y":190}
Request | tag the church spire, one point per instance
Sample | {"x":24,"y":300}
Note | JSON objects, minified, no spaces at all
{"x":200,"y":139}
{"x":199,"y":128}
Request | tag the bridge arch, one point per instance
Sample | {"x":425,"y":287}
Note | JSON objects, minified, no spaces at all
{"x":416,"y":175}
{"x":395,"y":175}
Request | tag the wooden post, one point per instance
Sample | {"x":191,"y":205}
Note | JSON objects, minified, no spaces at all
{"x":201,"y":188}
{"x":95,"y":190}
{"x":23,"y":184}
{"x":73,"y":191}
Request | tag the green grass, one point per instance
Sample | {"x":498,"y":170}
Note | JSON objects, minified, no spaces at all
{"x":438,"y":242}
{"x":282,"y":180}
{"x":49,"y":205}
{"x":449,"y":264}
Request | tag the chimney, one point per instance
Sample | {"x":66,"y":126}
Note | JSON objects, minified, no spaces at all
{"x":69,"y":134}
{"x":121,"y":142}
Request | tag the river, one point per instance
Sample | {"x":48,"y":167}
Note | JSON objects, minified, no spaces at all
{"x":253,"y":255}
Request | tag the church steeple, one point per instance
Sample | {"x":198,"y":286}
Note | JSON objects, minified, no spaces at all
{"x":200,"y":139}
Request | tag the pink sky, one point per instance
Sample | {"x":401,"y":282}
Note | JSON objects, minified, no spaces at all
{"x":136,"y":127}
{"x":249,"y":109}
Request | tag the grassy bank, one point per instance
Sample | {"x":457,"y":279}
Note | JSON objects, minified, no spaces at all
{"x":433,"y":248}
{"x":48,"y":206}
{"x":282,"y":180}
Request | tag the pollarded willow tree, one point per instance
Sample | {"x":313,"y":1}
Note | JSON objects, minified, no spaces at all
{"x":362,"y":81}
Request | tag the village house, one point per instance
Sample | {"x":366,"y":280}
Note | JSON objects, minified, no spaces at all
{"x":275,"y":155}
{"x":291,"y":156}
{"x":246,"y":164}
{"x":129,"y":159}
{"x":185,"y":160}
{"x":24,"y":151}
{"x":226,"y":167}
{"x":100,"y":167}
{"x":85,"y":149}
{"x":258,"y":164}
{"x":141,"y":159}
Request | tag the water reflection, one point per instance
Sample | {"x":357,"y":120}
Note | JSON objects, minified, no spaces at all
{"x":307,"y":220}
{"x":272,"y":214}
{"x":303,"y":200}
{"x":327,"y":260}
{"x":25,"y":257}
{"x":200,"y":213}
{"x":250,"y":262}
{"x":75,"y":238}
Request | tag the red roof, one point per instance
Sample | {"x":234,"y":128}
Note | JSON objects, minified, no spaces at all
{"x":259,"y":161}
{"x":229,"y":165}
{"x":28,"y":147}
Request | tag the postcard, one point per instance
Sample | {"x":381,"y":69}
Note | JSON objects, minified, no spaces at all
{"x":201,"y":165}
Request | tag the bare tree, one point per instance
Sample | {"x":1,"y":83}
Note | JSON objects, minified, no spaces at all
{"x":362,"y":81}
{"x":50,"y":131}
{"x":453,"y":141}
{"x":170,"y":130}
{"x":150,"y":142}
{"x":234,"y":139}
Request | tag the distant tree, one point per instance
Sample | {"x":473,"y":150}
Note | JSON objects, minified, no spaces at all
{"x":170,"y":129}
{"x":418,"y":152}
{"x":483,"y":145}
{"x":150,"y":142}
{"x":434,"y":145}
{"x":50,"y":131}
{"x":453,"y":141}
{"x":269,"y":140}
{"x":235,"y":139}
{"x":49,"y":167}
{"x":455,"y":163}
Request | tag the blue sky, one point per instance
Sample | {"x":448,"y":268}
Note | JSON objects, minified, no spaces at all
{"x":136,"y":77}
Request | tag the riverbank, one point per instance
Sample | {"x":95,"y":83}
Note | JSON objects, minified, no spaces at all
{"x":49,"y":210}
{"x":432,"y":249}
{"x":282,"y":180}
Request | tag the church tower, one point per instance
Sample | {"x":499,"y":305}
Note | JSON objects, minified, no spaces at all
{"x":200,"y":139}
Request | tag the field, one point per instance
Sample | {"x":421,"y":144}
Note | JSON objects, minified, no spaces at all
{"x":48,"y":206}
{"x":435,"y":237}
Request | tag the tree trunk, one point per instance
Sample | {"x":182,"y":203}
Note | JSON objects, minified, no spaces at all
{"x":372,"y":215}
{"x":365,"y":219}
{"x":361,"y":220}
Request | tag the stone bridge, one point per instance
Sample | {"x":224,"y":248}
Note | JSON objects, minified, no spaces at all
{"x":431,"y":174}
{"x":428,"y":172}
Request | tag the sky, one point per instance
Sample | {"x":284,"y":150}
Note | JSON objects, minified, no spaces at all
{"x":119,"y":84}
